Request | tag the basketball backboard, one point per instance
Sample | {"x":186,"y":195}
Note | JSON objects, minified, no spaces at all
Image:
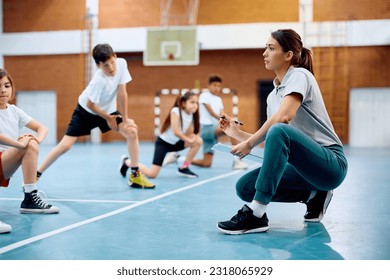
{"x":174,"y":45}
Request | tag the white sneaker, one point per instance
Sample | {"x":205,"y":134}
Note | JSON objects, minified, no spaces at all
{"x":4,"y":228}
{"x":180,"y":159}
{"x":170,"y":158}
{"x":238,"y":164}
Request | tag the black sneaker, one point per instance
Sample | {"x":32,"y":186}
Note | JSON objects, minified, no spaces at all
{"x":33,"y":203}
{"x":244,"y":222}
{"x":186,"y":172}
{"x":123,"y":166}
{"x":316,"y":207}
{"x":39,"y":174}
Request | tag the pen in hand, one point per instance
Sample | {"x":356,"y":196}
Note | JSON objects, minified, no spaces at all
{"x":237,"y":122}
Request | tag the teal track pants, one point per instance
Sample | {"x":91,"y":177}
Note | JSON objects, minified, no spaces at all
{"x":293,"y":166}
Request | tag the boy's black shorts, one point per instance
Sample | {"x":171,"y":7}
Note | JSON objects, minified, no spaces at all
{"x":82,"y":122}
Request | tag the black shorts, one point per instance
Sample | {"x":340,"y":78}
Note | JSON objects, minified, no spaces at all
{"x":82,"y":122}
{"x":161,"y":148}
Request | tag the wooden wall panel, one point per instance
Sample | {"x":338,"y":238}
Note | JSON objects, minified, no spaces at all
{"x":238,"y":11}
{"x":129,"y":13}
{"x":43,"y":15}
{"x":134,"y":13}
{"x":370,"y":66}
{"x":47,"y":15}
{"x":63,"y":74}
{"x":333,"y":10}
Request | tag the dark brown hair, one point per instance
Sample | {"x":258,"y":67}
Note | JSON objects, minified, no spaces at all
{"x":215,"y":78}
{"x":179,"y":102}
{"x":102,"y":52}
{"x":4,"y":73}
{"x":290,"y":40}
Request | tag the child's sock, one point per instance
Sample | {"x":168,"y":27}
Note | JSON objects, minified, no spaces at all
{"x":29,"y":187}
{"x":185,"y":164}
{"x":258,"y":208}
{"x":134,"y":170}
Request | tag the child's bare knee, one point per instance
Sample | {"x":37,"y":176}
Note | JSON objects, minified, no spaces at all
{"x":132,"y":132}
{"x":33,"y":147}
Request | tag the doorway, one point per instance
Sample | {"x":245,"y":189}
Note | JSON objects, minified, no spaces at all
{"x":369,"y":117}
{"x":41,"y":106}
{"x":264,"y":87}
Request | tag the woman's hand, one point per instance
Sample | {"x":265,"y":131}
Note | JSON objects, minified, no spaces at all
{"x":228,"y":125}
{"x":241,"y":150}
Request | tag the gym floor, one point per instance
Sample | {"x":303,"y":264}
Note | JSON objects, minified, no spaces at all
{"x":101,"y":218}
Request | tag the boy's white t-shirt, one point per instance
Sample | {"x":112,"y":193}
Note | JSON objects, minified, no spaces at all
{"x":168,"y":135}
{"x":103,"y":90}
{"x":216,"y":105}
{"x":12,"y":119}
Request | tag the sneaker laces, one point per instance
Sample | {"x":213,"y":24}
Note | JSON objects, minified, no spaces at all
{"x":38,"y":200}
{"x":240,"y":216}
{"x":42,"y":194}
{"x":135,"y":174}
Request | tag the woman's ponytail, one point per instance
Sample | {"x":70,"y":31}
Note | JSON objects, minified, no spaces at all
{"x":306,"y":60}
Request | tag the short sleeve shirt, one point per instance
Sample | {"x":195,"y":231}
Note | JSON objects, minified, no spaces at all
{"x":12,"y":119}
{"x":168,"y":135}
{"x":103,"y":90}
{"x":216,"y":105}
{"x":312,"y":117}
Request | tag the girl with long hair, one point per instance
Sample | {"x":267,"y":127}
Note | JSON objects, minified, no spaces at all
{"x":180,"y":130}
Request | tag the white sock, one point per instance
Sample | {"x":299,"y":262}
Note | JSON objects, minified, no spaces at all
{"x":312,"y":195}
{"x":258,"y":208}
{"x":29,"y":187}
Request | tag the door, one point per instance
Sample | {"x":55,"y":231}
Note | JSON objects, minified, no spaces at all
{"x":369,"y":117}
{"x":41,"y":106}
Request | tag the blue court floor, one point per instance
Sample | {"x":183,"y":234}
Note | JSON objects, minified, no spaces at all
{"x":101,"y":218}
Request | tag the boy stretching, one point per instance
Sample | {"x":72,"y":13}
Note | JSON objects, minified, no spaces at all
{"x":97,"y":107}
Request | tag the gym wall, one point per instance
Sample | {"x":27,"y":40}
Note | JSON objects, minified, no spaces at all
{"x":240,"y":69}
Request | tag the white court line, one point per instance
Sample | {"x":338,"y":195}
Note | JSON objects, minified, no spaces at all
{"x":109,"y":214}
{"x":76,"y":200}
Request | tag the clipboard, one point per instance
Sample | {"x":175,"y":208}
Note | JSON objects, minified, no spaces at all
{"x":226,"y":149}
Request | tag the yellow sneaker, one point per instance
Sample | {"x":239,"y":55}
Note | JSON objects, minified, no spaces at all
{"x":139,"y":181}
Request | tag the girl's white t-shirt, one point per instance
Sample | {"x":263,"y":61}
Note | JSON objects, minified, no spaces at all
{"x":103,"y":90}
{"x":168,"y":135}
{"x":12,"y":119}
